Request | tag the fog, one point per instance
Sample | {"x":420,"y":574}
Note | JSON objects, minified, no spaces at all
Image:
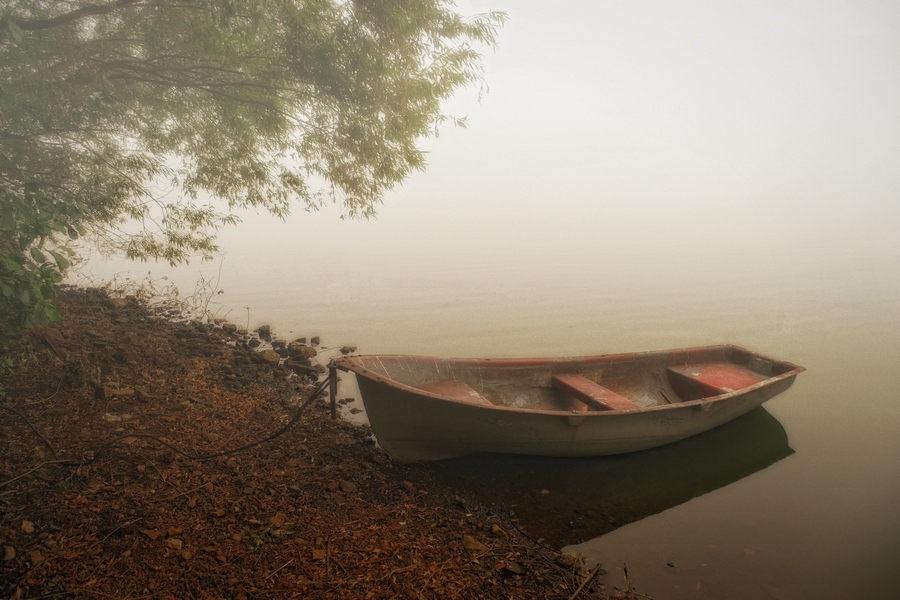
{"x":640,"y":176}
{"x":646,"y":125}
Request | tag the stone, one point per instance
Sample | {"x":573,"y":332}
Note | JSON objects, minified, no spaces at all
{"x":254,"y":343}
{"x":264,"y":331}
{"x":174,"y":543}
{"x":314,"y":341}
{"x":271,"y":357}
{"x":229,"y":327}
{"x":347,"y":486}
{"x":348,"y":349}
{"x":301,"y":351}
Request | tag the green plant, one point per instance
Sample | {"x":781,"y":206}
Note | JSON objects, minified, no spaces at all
{"x":144,"y":123}
{"x":32,"y":260}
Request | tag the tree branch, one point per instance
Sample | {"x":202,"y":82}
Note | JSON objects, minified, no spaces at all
{"x":84,"y":11}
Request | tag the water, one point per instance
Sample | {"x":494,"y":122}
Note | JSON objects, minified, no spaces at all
{"x":644,"y":177}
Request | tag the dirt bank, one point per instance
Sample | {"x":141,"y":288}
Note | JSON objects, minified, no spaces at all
{"x":104,"y":491}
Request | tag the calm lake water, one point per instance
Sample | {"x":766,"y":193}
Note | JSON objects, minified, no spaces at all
{"x":644,"y":177}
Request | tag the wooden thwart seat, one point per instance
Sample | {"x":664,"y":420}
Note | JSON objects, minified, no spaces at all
{"x":457,"y":390}
{"x":706,"y":380}
{"x":593,"y":394}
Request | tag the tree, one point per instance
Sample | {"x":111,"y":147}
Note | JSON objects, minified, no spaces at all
{"x":260,"y":103}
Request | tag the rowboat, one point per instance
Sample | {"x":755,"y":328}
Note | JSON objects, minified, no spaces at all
{"x":425,"y":408}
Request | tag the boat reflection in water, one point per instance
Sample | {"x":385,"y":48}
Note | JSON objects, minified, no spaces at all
{"x":570,"y":500}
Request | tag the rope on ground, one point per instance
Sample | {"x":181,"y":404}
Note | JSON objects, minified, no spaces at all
{"x":102,"y":450}
{"x":32,"y":427}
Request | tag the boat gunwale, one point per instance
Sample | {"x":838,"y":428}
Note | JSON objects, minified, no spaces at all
{"x":348,"y":363}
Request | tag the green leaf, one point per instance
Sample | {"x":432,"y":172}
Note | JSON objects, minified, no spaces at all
{"x":7,"y":220}
{"x":52,"y":313}
{"x":25,"y":297}
{"x":7,"y":95}
{"x":15,"y":30}
{"x":61,"y":261}
{"x":39,"y":315}
{"x":38,"y":256}
{"x":12,"y":265}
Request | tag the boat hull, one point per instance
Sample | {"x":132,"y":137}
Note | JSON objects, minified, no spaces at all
{"x":526,"y":416}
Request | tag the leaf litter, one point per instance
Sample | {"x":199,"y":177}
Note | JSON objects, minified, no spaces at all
{"x":319,"y":511}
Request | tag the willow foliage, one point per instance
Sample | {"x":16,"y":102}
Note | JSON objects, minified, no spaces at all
{"x":247,"y":101}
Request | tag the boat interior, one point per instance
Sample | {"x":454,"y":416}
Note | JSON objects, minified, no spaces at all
{"x":602,"y":383}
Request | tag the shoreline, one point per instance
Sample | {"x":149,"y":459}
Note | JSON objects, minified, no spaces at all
{"x":107,"y":488}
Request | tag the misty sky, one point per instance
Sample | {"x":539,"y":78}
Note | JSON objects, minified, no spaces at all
{"x":668,"y":130}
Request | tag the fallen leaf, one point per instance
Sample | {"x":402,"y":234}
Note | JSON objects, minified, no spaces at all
{"x":318,"y":554}
{"x":473,"y":545}
{"x":151,"y":533}
{"x":277,"y":520}
{"x":9,"y":553}
{"x":513,"y":567}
